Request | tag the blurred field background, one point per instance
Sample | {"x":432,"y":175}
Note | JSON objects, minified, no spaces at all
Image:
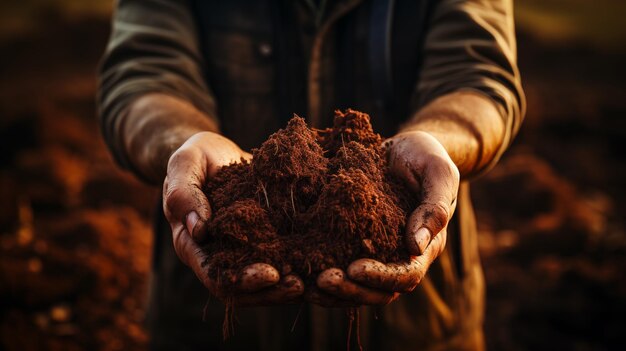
{"x":75,"y":231}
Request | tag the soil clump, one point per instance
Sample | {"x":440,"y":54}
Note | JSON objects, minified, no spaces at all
{"x":309,"y":200}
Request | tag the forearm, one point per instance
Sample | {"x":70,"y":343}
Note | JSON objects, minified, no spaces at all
{"x":152,"y":92}
{"x":469,"y":90}
{"x":468,"y":125}
{"x":156,"y":125}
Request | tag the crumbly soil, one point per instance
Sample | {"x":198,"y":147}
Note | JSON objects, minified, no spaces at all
{"x":309,"y":200}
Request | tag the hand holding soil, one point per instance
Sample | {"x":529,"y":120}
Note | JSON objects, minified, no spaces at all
{"x":420,"y":161}
{"x":333,"y":210}
{"x":316,"y":204}
{"x":188,"y":211}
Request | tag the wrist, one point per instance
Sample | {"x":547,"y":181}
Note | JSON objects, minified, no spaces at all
{"x":421,"y":147}
{"x":152,"y":157}
{"x":155,"y":126}
{"x":467,"y":124}
{"x":213,"y":149}
{"x":460,"y":146}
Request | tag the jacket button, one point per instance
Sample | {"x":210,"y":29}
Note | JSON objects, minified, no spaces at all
{"x":265,"y":49}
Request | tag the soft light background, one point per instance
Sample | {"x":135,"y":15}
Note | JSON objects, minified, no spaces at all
{"x":75,"y":231}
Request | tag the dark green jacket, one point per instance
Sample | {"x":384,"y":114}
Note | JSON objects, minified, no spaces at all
{"x":250,"y":65}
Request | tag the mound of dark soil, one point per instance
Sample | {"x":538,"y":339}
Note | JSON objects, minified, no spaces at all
{"x":309,"y":200}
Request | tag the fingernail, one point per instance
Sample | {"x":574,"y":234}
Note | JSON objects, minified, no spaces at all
{"x":422,"y":237}
{"x":190,"y":221}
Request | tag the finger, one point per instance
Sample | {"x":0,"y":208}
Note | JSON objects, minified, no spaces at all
{"x":257,"y":276}
{"x":252,"y":278}
{"x":335,"y":282}
{"x":287,"y":291}
{"x":192,"y":255}
{"x":184,"y":202}
{"x":440,"y":183}
{"x":397,"y":277}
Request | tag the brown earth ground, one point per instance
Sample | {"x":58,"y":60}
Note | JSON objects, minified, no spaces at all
{"x":75,"y":231}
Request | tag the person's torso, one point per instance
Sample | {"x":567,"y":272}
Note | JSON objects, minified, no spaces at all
{"x":258,"y":58}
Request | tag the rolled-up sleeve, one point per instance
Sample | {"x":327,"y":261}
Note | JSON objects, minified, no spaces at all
{"x":153,"y":48}
{"x":470,"y":45}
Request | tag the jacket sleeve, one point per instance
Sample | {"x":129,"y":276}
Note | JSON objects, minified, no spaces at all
{"x":153,"y":48}
{"x":470,"y":45}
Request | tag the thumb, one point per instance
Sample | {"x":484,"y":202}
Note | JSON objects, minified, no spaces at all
{"x":184,"y":203}
{"x":440,"y":183}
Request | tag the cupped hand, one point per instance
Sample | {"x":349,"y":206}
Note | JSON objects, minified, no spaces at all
{"x":187,"y":209}
{"x":424,"y":165}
